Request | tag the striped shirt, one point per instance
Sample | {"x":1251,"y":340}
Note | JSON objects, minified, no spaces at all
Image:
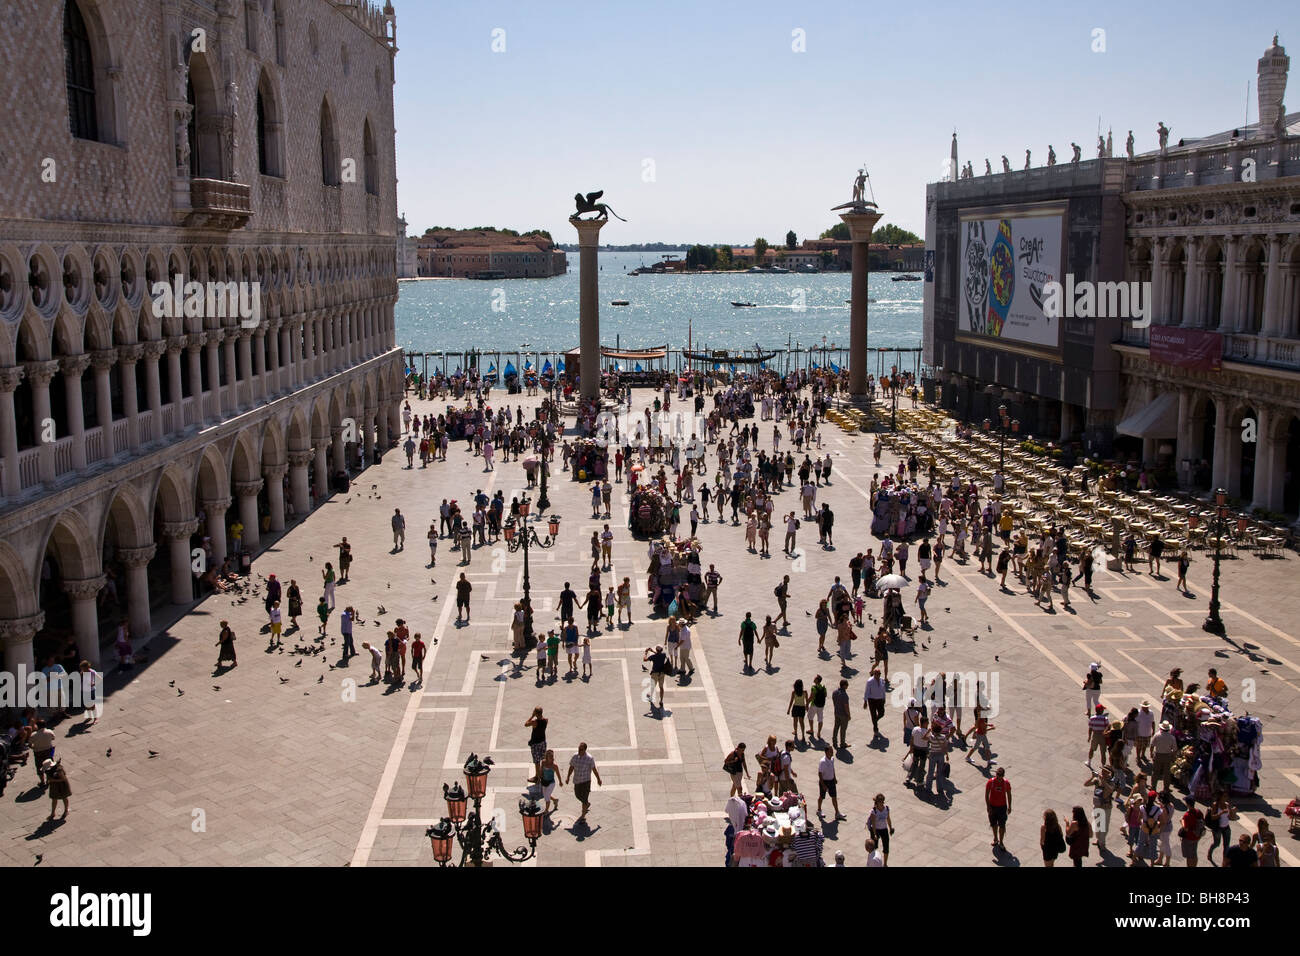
{"x":1098,"y":723}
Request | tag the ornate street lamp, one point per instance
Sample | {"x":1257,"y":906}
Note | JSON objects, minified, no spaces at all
{"x":1218,"y":524}
{"x":1003,"y":426}
{"x":543,"y":502}
{"x":522,"y":535}
{"x":478,"y":839}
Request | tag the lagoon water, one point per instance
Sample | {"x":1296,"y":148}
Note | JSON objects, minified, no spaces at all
{"x":542,"y":314}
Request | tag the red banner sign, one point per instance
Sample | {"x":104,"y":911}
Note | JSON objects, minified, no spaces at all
{"x":1187,"y":348}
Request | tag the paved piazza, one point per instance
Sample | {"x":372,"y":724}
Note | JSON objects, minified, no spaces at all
{"x":271,"y":763}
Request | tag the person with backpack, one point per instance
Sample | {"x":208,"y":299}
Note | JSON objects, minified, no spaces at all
{"x":782,"y":594}
{"x":817,"y":694}
{"x":748,"y":634}
{"x":737,"y":768}
{"x":660,"y":667}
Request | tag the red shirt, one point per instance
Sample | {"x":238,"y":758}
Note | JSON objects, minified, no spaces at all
{"x":417,"y":648}
{"x":996,"y":791}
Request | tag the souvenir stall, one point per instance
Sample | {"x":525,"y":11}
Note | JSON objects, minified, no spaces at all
{"x":763,"y":832}
{"x":650,"y":511}
{"x":1219,"y":750}
{"x":590,"y":461}
{"x":674,"y":565}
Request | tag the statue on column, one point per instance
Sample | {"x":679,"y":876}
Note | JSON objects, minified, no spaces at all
{"x":1078,"y":153}
{"x":1026,"y":159}
{"x":1128,"y":144}
{"x":860,"y":186}
{"x":588,"y":204}
{"x":1006,"y":166}
{"x":1162,"y":131}
{"x":1051,"y":155}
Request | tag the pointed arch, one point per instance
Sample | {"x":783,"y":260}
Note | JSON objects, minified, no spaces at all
{"x":329,"y":145}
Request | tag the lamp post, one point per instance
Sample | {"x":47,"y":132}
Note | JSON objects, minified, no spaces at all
{"x":479,"y":840}
{"x":543,"y":502}
{"x":1003,"y":425}
{"x":522,"y":535}
{"x":893,"y":392}
{"x":1218,"y":524}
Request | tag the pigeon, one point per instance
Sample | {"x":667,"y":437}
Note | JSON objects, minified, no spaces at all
{"x":152,"y":754}
{"x":432,"y":581}
{"x":381,"y":610}
{"x":375,"y":623}
{"x":995,"y":657}
{"x":108,"y":752}
{"x":284,"y":680}
{"x":331,"y":668}
{"x":179,"y":692}
{"x":321,"y":679}
{"x":310,"y":558}
{"x":171,"y":683}
{"x":39,"y":857}
{"x":974,"y":637}
{"x":298,"y":664}
{"x":435,"y":640}
{"x":945,"y":643}
{"x":216,"y":687}
{"x":434,"y":598}
{"x":990,"y":627}
{"x":306,"y":693}
{"x":348,"y":502}
{"x":390,"y":585}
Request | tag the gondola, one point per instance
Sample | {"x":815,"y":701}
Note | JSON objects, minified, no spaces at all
{"x":727,"y":358}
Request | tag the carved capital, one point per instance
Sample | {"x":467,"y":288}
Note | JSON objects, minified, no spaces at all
{"x":154,"y":350}
{"x":301,"y":459}
{"x":84,"y":588}
{"x":248,"y":489}
{"x":336,"y":432}
{"x":137,"y":557}
{"x":74,"y":365}
{"x":274,"y":472}
{"x":180,"y":529}
{"x":194,"y":341}
{"x":103,"y":359}
{"x":20,"y":630}
{"x":177,"y":344}
{"x":216,"y":506}
{"x":129,"y":354}
{"x":10,"y":377}
{"x":40,"y":373}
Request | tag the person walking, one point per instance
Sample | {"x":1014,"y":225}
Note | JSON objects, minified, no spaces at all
{"x":997,"y":801}
{"x":770,"y":642}
{"x":59,"y":789}
{"x":791,"y":527}
{"x":748,"y":632}
{"x":399,"y":530}
{"x":463,"y":589}
{"x":936,"y":742}
{"x":797,"y":709}
{"x":1098,"y":724}
{"x":880,"y":826}
{"x":433,"y":545}
{"x":817,"y":694}
{"x":537,"y":741}
{"x":1091,"y":689}
{"x":711,"y":581}
{"x":323,"y":613}
{"x":327,"y":576}
{"x":782,"y":593}
{"x":1051,"y":839}
{"x":826,"y":783}
{"x":275,"y":625}
{"x":1164,"y":749}
{"x":417,"y":658}
{"x":295,"y":603}
{"x":1218,"y":818}
{"x":842,"y":713}
{"x":226,"y":641}
{"x":582,"y":767}
{"x":737,"y":767}
{"x":1077,"y":836}
{"x":550,"y":779}
{"x":873,"y":700}
{"x":684,"y":647}
{"x":345,"y":628}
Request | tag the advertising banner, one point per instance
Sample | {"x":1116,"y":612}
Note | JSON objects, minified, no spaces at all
{"x":1004,"y":264}
{"x":1187,"y":348}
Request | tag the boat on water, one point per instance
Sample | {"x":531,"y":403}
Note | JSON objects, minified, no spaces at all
{"x":489,"y":274}
{"x":723,"y":357}
{"x":905,"y":278}
{"x":744,"y":305}
{"x":618,"y":302}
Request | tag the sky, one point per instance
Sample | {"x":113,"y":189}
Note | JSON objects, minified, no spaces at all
{"x":719,"y":122}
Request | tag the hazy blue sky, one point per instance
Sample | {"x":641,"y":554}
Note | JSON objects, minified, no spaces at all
{"x":749,"y":138}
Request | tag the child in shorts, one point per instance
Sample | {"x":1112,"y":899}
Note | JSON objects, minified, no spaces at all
{"x":586,"y":657}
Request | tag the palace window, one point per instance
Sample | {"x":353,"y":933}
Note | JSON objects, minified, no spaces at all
{"x":80,"y":71}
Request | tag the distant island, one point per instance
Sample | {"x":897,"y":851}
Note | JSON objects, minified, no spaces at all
{"x":488,"y":252}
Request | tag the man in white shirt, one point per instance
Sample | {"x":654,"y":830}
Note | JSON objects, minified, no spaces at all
{"x":791,"y":526}
{"x":874,"y":700}
{"x":826,"y":783}
{"x":684,"y":647}
{"x":1146,"y":722}
{"x":874,"y":857}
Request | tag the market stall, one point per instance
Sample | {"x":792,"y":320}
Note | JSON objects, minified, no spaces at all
{"x":674,"y":571}
{"x":764,"y":832}
{"x":1218,"y":750}
{"x":590,"y":461}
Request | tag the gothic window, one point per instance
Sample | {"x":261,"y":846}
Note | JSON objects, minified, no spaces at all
{"x":372,"y":162}
{"x":80,"y":71}
{"x":329,"y":147}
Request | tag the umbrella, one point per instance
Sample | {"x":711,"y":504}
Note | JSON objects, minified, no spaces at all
{"x":892,"y":582}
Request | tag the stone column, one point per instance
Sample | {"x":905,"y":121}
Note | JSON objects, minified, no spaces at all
{"x":860,"y":220}
{"x":137,"y":587}
{"x":216,"y":509}
{"x":9,"y":379}
{"x":16,"y":634}
{"x":1157,"y":283}
{"x":178,"y":535}
{"x":232,"y":401}
{"x":1270,"y":462}
{"x":193,"y":346}
{"x":103,"y":361}
{"x":382,"y":427}
{"x":1222,"y":441}
{"x":258,"y":382}
{"x":127,"y":356}
{"x":153,"y":387}
{"x":247,"y":492}
{"x":1272,"y":324}
{"x":244,"y":389}
{"x":276,"y":334}
{"x":175,"y":345}
{"x":338,"y":449}
{"x":1191,"y":312}
{"x":1184,"y":447}
{"x":85,"y":615}
{"x":588,"y":305}
{"x":1227,"y":312}
{"x":212,"y":340}
{"x":368,"y":433}
{"x":40,"y":374}
{"x":299,"y":489}
{"x":322,"y":468}
{"x":73,"y":366}
{"x":274,"y":477}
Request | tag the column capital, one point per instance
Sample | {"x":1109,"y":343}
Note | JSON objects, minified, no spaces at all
{"x":74,"y":365}
{"x":137,"y":557}
{"x":588,"y":230}
{"x":244,"y":332}
{"x":10,"y":377}
{"x":215,"y":506}
{"x":213,"y":338}
{"x":336,"y":431}
{"x":130,"y":354}
{"x":176,"y":344}
{"x":248,"y":489}
{"x":301,"y":459}
{"x":154,"y":349}
{"x":195,"y":341}
{"x":860,"y":223}
{"x":103,"y":358}
{"x":180,"y":529}
{"x":84,"y":588}
{"x":20,"y":630}
{"x":40,"y":373}
{"x":274,"y":472}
